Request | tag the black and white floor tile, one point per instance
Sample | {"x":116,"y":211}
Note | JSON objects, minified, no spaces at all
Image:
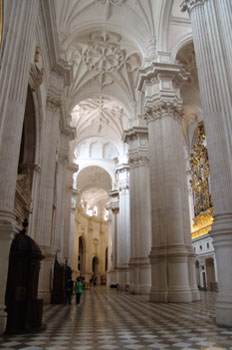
{"x":112,"y":320}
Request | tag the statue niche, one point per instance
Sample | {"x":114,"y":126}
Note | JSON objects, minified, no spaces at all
{"x":23,"y":308}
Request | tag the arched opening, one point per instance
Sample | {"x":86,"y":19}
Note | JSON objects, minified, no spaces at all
{"x":210,"y":272}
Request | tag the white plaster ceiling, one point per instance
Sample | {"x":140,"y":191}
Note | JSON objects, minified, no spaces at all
{"x":107,"y":41}
{"x":99,"y":116}
{"x":94,"y":184}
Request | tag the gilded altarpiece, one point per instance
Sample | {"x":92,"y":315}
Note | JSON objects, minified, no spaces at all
{"x":200,"y":183}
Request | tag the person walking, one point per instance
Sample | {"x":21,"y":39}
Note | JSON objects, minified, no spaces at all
{"x":79,"y":290}
{"x":68,"y":291}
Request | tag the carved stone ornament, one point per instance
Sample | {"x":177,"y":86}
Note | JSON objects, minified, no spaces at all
{"x":52,"y":103}
{"x":161,"y":109}
{"x":138,"y":161}
{"x":104,"y":56}
{"x":188,"y":5}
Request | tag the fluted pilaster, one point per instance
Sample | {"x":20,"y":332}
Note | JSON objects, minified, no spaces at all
{"x":211,"y":23}
{"x":19,"y":31}
{"x":123,"y":238}
{"x":140,"y":210}
{"x":113,"y":237}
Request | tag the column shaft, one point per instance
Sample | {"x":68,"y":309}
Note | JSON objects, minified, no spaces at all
{"x":123,"y":237}
{"x":19,"y":31}
{"x":211,"y":23}
{"x":140,"y":210}
{"x":172,"y":254}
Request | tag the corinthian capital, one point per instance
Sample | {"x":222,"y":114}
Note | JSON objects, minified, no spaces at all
{"x":155,"y":110}
{"x":188,"y":5}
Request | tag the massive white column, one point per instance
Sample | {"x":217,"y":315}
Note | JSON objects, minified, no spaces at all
{"x":123,"y":238}
{"x":46,"y":210}
{"x":60,"y":241}
{"x":19,"y":31}
{"x":171,"y":254}
{"x":113,"y":238}
{"x":140,"y":210}
{"x":211,"y":23}
{"x":69,"y":216}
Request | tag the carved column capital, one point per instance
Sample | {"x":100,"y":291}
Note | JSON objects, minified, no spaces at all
{"x":155,"y":110}
{"x":161,"y":84}
{"x":122,"y":172}
{"x":52,"y":103}
{"x":138,"y":160}
{"x":188,"y":5}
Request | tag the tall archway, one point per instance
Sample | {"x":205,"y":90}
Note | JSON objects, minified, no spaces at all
{"x":210,"y":273}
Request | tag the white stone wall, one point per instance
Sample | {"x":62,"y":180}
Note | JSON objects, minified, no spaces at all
{"x":94,"y":233}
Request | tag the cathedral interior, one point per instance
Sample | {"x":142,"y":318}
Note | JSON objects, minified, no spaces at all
{"x":116,"y":167}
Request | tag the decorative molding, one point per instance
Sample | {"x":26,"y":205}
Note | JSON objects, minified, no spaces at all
{"x":188,"y":5}
{"x":63,"y":158}
{"x":100,"y":112}
{"x":115,"y":210}
{"x":108,"y":4}
{"x":158,"y":72}
{"x":102,"y":57}
{"x":52,"y":103}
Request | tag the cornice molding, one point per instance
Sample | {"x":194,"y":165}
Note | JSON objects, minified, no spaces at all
{"x":135,"y":133}
{"x":158,"y":72}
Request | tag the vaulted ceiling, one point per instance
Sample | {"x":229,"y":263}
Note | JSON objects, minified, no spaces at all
{"x":107,"y":42}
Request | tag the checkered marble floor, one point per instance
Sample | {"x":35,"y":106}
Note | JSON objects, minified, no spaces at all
{"x":112,"y":320}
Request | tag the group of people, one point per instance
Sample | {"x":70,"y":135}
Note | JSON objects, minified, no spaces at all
{"x":77,"y":287}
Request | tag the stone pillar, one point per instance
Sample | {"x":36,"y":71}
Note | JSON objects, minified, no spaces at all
{"x":19,"y":32}
{"x":211,"y":23}
{"x":123,"y":238}
{"x":112,"y":273}
{"x":45,"y":217}
{"x":60,"y":241}
{"x":110,"y":236}
{"x":172,"y":252}
{"x":140,"y":210}
{"x":69,"y":216}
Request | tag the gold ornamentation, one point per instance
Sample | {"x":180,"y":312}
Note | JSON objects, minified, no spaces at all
{"x":200,"y":183}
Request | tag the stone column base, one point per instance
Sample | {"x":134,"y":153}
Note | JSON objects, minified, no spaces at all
{"x":46,"y":276}
{"x":3,"y":319}
{"x":140,"y":276}
{"x":123,"y":278}
{"x":111,"y":278}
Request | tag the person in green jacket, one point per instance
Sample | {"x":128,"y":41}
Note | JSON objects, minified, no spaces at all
{"x":79,"y":289}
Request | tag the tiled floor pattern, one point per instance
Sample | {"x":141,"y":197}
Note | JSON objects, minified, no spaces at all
{"x":112,"y":320}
